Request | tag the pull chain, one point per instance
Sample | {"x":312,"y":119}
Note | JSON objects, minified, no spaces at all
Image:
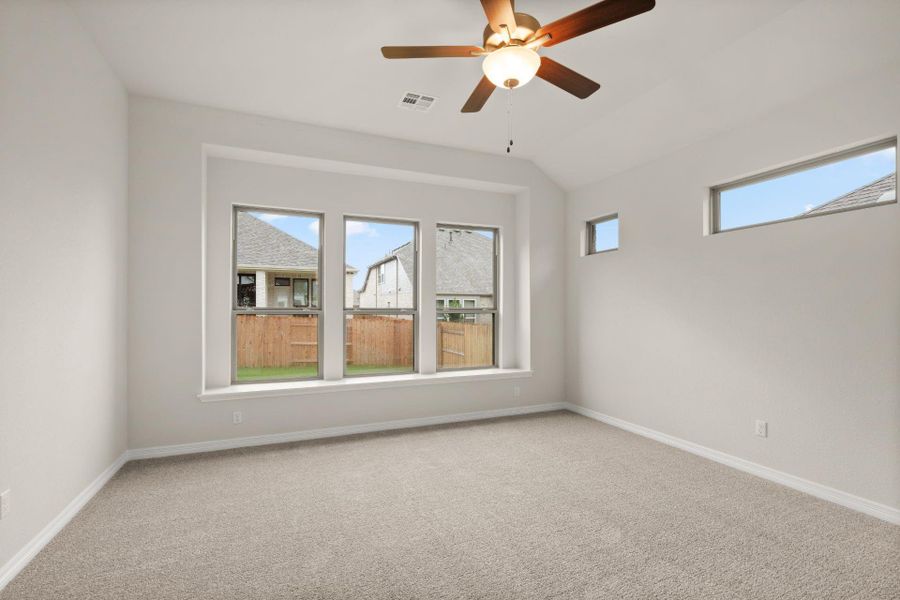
{"x":509,"y":119}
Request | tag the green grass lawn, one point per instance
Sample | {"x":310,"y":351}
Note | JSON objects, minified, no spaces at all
{"x":262,"y":373}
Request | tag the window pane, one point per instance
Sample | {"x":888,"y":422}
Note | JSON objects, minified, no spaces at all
{"x":276,"y":346}
{"x":465,"y":340}
{"x":606,"y":235}
{"x":385,"y":256}
{"x":864,"y":180}
{"x":465,"y":267}
{"x":301,"y":292}
{"x":272,"y":249}
{"x":379,"y":344}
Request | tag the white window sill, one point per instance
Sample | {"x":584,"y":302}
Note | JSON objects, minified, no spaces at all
{"x":319,"y":386}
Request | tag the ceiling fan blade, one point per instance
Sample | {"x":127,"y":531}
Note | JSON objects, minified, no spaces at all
{"x":500,"y":12}
{"x":591,"y":18}
{"x":431,"y":51}
{"x":479,"y":96}
{"x":566,"y":79}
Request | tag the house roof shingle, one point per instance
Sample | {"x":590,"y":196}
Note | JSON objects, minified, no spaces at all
{"x":880,"y":190}
{"x":262,"y":245}
{"x":465,"y":261}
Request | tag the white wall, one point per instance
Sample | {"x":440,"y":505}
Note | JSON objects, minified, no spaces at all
{"x":795,"y":323}
{"x":166,"y":186}
{"x":62,"y":188}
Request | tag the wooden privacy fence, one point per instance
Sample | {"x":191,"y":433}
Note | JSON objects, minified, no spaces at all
{"x":277,"y":340}
{"x":463,"y":344}
{"x":372,"y":340}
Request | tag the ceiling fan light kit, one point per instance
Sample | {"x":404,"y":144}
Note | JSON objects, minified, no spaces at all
{"x":511,"y":66}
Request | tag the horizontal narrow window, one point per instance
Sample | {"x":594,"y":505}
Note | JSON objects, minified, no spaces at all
{"x":603,"y":234}
{"x":276,"y":327}
{"x":860,"y":178}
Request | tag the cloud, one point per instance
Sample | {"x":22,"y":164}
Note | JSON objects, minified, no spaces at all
{"x":808,"y":207}
{"x":360,"y":228}
{"x":314,"y":227}
{"x":269,"y":217}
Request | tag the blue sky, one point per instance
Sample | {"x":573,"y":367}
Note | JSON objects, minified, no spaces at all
{"x":367,"y":242}
{"x":606,"y":235}
{"x":794,"y":194}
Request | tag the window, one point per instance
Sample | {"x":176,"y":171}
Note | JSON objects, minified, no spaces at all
{"x":246,"y":290}
{"x":466,"y":287}
{"x":379,"y":332}
{"x":301,"y":292}
{"x":603,"y":234}
{"x":858,"y":178}
{"x":273,"y":337}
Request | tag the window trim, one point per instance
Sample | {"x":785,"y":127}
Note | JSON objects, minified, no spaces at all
{"x":591,"y":234}
{"x":715,"y":192}
{"x":237,"y":310}
{"x":495,"y":310}
{"x":414,"y":311}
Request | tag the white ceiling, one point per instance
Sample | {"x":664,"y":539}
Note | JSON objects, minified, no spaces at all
{"x":684,"y":71}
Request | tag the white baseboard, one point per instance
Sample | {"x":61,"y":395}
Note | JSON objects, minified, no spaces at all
{"x":21,"y":559}
{"x":312,"y":434}
{"x":874,"y":509}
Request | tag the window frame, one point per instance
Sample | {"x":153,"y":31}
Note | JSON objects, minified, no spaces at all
{"x":714,"y":225}
{"x":236,"y":309}
{"x":591,"y":235}
{"x":413,"y":312}
{"x":495,"y":310}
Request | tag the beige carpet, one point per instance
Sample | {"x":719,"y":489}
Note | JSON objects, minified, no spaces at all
{"x":547,"y":506}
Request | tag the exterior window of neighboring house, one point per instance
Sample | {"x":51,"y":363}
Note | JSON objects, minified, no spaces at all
{"x":466,"y":287}
{"x":603,"y":234}
{"x":301,"y":292}
{"x":862,"y":177}
{"x":246,"y":290}
{"x":379,"y":327}
{"x":273,"y":337}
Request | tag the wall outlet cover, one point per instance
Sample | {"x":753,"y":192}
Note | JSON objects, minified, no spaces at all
{"x":762,"y":428}
{"x":4,"y":504}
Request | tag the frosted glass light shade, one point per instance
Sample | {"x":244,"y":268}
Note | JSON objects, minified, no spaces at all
{"x":511,"y":66}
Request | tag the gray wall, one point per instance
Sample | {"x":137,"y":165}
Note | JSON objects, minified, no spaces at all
{"x":796,"y":323}
{"x":62,"y":188}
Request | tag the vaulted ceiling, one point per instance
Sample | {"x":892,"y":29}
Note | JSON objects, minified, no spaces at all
{"x":682,"y":72}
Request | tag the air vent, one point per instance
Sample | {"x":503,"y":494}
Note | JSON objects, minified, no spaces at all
{"x":419,"y":102}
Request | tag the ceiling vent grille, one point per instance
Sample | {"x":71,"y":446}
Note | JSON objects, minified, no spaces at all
{"x":417,"y":102}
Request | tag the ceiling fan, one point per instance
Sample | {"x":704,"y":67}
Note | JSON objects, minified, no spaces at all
{"x":511,"y":43}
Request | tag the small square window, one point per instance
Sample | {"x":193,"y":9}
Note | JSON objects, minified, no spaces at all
{"x":603,"y":234}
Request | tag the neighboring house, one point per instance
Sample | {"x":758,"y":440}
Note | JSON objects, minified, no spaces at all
{"x":465,"y":274}
{"x":880,"y":190}
{"x":275,"y":269}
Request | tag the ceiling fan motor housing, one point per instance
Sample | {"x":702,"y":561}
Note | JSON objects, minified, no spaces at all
{"x":526,"y":26}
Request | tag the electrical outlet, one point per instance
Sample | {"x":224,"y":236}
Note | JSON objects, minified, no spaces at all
{"x":237,"y":417}
{"x":4,"y":505}
{"x":517,"y":391}
{"x":761,"y":429}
